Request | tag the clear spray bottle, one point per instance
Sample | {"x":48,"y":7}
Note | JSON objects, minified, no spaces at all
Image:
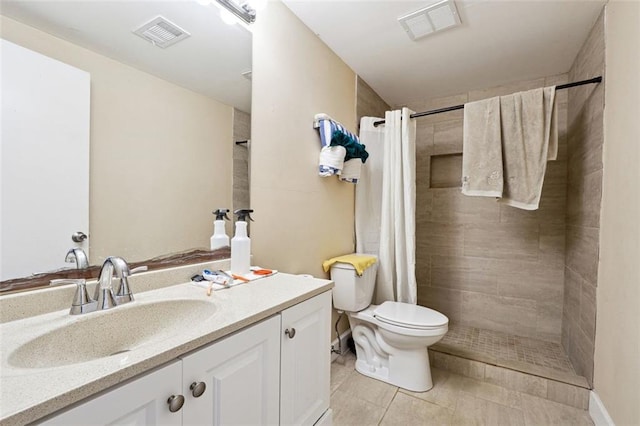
{"x":219,"y":237}
{"x":241,"y":244}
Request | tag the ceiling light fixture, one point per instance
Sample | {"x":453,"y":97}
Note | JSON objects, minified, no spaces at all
{"x":240,"y":9}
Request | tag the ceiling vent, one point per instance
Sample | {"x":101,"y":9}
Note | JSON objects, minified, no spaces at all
{"x":161,"y":32}
{"x":437,"y":17}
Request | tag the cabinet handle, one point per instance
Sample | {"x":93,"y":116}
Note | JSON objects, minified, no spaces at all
{"x":175,"y":403}
{"x":291,"y":333}
{"x":197,"y":389}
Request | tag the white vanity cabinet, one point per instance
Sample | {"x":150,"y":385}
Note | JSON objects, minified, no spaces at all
{"x":142,"y":401}
{"x":273,"y":372}
{"x":238,"y":377}
{"x":305,"y":361}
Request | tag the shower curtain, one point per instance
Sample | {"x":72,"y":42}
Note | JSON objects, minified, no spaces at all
{"x":385,"y":204}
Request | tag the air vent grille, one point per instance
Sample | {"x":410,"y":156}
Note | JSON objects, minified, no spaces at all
{"x":428,"y":20}
{"x":161,"y":32}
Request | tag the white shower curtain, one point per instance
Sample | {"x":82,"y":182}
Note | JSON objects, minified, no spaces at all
{"x":385,"y":204}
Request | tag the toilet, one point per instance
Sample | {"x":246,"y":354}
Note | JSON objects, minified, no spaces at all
{"x":391,"y":339}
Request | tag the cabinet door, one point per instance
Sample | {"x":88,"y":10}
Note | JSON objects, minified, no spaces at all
{"x":141,"y":402}
{"x":305,"y":361}
{"x":241,"y":374}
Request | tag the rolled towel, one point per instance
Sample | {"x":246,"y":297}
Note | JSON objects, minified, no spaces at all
{"x":331,"y":160}
{"x":351,"y":170}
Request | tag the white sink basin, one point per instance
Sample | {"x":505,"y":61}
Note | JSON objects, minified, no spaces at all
{"x":117,"y":330}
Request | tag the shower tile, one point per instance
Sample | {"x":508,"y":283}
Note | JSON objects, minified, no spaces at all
{"x":447,"y":137}
{"x":568,"y":394}
{"x":450,"y":206}
{"x":502,"y":241}
{"x":586,"y":196}
{"x":506,"y":89}
{"x":582,"y":251}
{"x":448,"y":302}
{"x":530,"y":280}
{"x":493,"y":393}
{"x":443,"y":239}
{"x":588,"y":310}
{"x":549,"y":319}
{"x":572,"y":289}
{"x":475,"y":411}
{"x":438,"y":103}
{"x":505,"y":314}
{"x":515,"y":380}
{"x":552,"y":245}
{"x":463,"y":273}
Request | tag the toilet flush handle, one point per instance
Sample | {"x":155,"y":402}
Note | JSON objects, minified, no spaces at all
{"x":291,"y":333}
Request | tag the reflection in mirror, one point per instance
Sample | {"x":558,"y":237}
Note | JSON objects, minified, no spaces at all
{"x":162,"y":125}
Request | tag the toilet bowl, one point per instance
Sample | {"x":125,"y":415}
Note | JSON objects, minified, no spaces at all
{"x":392,"y":338}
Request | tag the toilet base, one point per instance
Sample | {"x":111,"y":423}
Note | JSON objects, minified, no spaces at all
{"x":411,"y":372}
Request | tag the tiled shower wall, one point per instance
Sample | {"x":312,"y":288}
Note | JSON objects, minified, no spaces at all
{"x":586,"y":107}
{"x":241,"y":132}
{"x":479,"y":262}
{"x":368,"y":102}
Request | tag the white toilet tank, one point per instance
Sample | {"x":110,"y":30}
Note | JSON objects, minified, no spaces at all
{"x":352,"y":293}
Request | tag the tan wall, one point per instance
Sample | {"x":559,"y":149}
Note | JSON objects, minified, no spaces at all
{"x":584,"y":191}
{"x":301,"y":218}
{"x":617,"y":348}
{"x":368,"y":102}
{"x":152,"y":142}
{"x":480,"y":262}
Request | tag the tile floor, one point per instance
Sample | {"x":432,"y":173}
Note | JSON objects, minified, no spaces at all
{"x":507,"y":347}
{"x":454,"y":400}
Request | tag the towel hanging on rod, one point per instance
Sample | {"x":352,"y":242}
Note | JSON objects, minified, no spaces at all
{"x":457,"y":107}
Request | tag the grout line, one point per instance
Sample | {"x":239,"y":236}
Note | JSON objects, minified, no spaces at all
{"x":388,"y":406}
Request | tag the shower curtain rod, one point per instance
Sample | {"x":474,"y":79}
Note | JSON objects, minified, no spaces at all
{"x":456,"y":107}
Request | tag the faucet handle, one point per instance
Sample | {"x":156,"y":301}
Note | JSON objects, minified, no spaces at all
{"x":124,"y":294}
{"x":82,"y":303}
{"x":138,"y":269}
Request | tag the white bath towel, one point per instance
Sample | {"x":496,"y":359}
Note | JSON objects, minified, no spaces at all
{"x":529,"y":140}
{"x":331,"y":160}
{"x":481,"y":149}
{"x":351,"y":170}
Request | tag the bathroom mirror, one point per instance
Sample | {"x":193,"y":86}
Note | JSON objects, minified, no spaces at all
{"x":163,"y":119}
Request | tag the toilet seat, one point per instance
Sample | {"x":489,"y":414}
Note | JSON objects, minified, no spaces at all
{"x":409,"y":316}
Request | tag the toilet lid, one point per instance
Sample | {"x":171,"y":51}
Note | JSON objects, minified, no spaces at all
{"x":408,"y":315}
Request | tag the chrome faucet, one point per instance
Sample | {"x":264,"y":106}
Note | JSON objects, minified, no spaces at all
{"x":114,"y":267}
{"x":104,"y":298}
{"x":78,"y":256}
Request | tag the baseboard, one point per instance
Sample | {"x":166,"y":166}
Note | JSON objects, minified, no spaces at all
{"x":343,"y":338}
{"x":598,"y":411}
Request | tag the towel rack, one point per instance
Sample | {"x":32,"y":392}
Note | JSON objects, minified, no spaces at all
{"x":457,"y":107}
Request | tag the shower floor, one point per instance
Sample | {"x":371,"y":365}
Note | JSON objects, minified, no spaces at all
{"x":532,"y":356}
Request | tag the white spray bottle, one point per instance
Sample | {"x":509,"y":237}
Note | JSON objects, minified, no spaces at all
{"x":241,"y":244}
{"x":219,"y":237}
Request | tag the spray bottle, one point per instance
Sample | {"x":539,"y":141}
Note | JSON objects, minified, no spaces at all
{"x":219,"y":237}
{"x":241,"y":244}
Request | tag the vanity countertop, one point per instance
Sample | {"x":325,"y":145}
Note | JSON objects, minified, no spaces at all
{"x":28,"y":394}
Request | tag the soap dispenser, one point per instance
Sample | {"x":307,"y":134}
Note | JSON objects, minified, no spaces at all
{"x":241,"y":244}
{"x":219,"y":237}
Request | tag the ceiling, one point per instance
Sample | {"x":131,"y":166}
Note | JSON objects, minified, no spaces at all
{"x":498,"y":42}
{"x":210,"y":61}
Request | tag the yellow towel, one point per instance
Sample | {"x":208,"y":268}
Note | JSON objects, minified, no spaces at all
{"x":359,"y":261}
